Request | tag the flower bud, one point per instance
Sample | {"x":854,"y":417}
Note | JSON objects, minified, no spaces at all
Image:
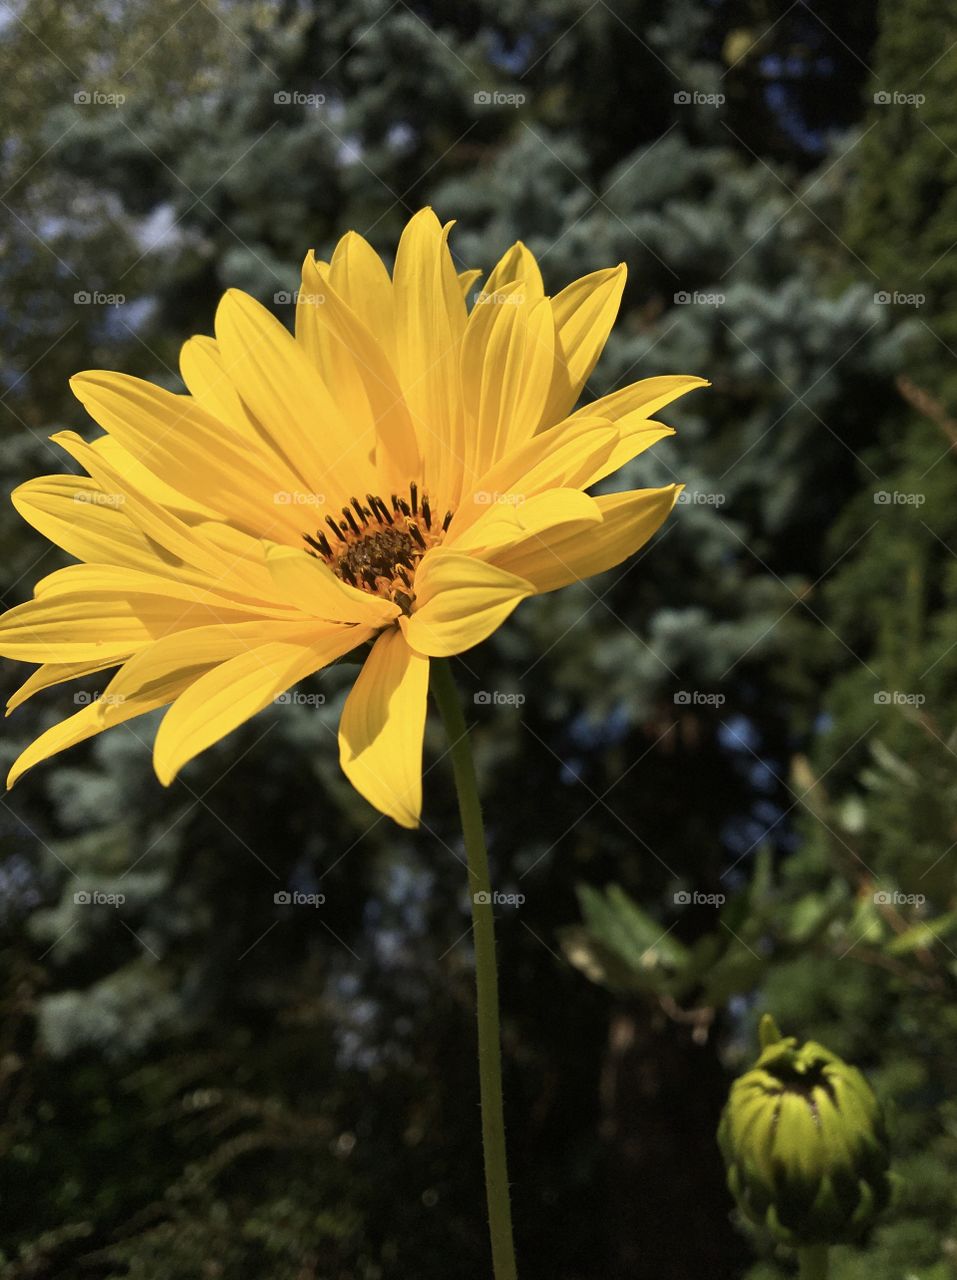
{"x":804,"y":1143}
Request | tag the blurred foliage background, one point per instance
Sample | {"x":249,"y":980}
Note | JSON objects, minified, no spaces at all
{"x":202,"y":1083}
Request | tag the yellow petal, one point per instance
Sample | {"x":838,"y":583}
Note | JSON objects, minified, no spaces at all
{"x":630,"y":410}
{"x":561,"y":458}
{"x":93,"y":719}
{"x":360,"y":376}
{"x":573,"y":553}
{"x":466,"y":280}
{"x":99,"y":626}
{"x":361,"y":280}
{"x":222,"y":699}
{"x":641,"y":399}
{"x":508,"y":522}
{"x":138,"y":477}
{"x":632,"y":441}
{"x":202,"y":369}
{"x":312,"y":587}
{"x":516,"y":265}
{"x":283,"y":389}
{"x":148,"y":513}
{"x":108,"y":581}
{"x":459,"y":601}
{"x":54,"y":673}
{"x":199,"y":647}
{"x":193,"y":452}
{"x":75,"y":514}
{"x":584,"y":314}
{"x":508,"y":357}
{"x":382,"y":726}
{"x":430,"y":323}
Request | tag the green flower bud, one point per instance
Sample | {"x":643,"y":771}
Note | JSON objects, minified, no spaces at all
{"x":804,"y":1143}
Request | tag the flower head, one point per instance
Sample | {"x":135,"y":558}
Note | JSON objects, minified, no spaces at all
{"x":804,"y":1142}
{"x":403,"y":472}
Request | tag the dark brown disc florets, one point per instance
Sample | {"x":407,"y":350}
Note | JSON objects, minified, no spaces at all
{"x":376,"y":547}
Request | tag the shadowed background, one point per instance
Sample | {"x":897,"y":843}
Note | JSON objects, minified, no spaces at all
{"x":721,"y":777}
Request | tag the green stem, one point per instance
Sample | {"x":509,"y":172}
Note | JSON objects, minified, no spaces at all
{"x":486,"y":978}
{"x":813,"y":1262}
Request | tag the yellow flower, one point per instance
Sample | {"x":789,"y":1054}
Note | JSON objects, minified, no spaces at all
{"x":402,"y":471}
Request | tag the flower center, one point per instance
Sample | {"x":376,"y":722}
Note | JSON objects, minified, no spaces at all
{"x":376,"y":548}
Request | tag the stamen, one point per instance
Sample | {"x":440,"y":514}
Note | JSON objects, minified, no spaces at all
{"x":414,"y":530}
{"x":379,"y":507}
{"x":373,"y":550}
{"x":321,"y":543}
